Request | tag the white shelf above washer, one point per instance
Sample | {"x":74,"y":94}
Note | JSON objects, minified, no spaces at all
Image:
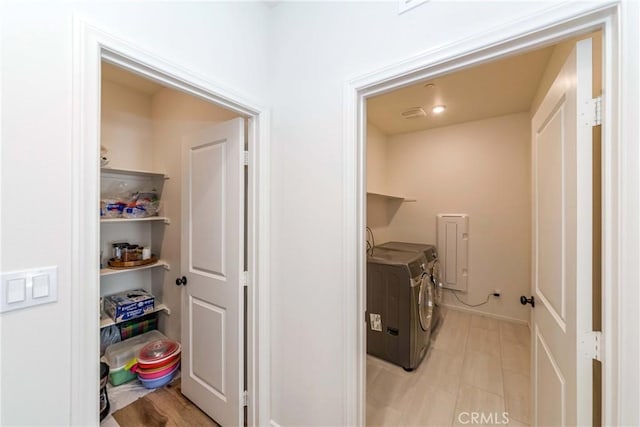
{"x":391,"y":196}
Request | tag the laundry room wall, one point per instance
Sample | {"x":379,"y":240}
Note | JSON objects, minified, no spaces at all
{"x":224,"y":41}
{"x":480,"y":168}
{"x":376,"y":159}
{"x":379,"y":209}
{"x":176,"y":114}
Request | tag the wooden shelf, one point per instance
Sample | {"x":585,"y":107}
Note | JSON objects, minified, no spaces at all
{"x":130,"y":172}
{"x":108,"y":321}
{"x":150,"y":218}
{"x":392,"y":196}
{"x":109,"y":271}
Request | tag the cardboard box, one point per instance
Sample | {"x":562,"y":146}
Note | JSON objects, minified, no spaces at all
{"x":129,"y":304}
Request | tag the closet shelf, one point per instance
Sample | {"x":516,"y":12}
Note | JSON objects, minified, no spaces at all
{"x":150,"y":218}
{"x":392,"y":196}
{"x":109,"y":271}
{"x":108,"y":321}
{"x":131,"y":172}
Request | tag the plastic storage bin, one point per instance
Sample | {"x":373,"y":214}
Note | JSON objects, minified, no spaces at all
{"x":119,"y":354}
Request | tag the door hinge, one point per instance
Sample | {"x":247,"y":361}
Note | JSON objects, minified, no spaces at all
{"x":246,"y":158}
{"x":245,"y":278}
{"x":591,"y":344}
{"x":245,"y":398}
{"x":595,"y":111}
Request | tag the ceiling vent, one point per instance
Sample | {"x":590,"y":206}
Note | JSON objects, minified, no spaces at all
{"x":413,"y":113}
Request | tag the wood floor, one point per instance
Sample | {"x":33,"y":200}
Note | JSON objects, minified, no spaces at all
{"x":165,"y":407}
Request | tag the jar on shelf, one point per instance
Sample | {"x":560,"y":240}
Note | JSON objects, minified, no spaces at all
{"x":117,"y":249}
{"x":131,"y":253}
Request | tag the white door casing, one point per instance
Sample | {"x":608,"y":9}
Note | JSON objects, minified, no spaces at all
{"x":562,"y":246}
{"x":212,"y":250}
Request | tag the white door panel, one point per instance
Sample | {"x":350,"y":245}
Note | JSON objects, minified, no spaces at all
{"x":208,"y":209}
{"x":212,"y":261}
{"x":562,"y":258}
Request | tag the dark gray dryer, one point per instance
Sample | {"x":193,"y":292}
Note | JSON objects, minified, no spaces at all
{"x":399,"y":307}
{"x":433,"y":269}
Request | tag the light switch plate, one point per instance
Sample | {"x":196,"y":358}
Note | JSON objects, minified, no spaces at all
{"x":25,"y":288}
{"x":40,"y":286}
{"x":16,"y":290}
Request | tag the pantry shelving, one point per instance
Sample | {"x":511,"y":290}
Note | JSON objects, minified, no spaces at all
{"x":117,"y":185}
{"x":133,"y":173}
{"x":151,"y":218}
{"x":108,"y":321}
{"x":109,"y":271}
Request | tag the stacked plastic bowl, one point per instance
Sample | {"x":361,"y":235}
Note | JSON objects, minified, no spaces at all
{"x":158,"y":363}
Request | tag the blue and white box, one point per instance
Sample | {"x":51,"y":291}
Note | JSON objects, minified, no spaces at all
{"x":129,"y":304}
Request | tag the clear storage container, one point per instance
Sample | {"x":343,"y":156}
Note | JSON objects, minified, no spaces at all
{"x":119,"y":354}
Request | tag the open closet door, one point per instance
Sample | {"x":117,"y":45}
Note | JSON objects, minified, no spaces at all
{"x":562,"y":240}
{"x":212,"y":263}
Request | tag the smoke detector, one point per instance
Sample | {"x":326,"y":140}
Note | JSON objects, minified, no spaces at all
{"x":414,"y":113}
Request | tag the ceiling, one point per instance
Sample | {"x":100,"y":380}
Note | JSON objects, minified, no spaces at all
{"x":130,"y":80}
{"x":494,"y":89}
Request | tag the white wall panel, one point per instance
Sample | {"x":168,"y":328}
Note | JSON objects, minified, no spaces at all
{"x":225,"y":42}
{"x":316,"y":48}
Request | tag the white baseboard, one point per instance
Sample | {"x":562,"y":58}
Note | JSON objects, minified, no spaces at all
{"x":274,"y":424}
{"x":485,"y":314}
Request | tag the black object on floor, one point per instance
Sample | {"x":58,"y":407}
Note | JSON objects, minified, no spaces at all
{"x":104,"y":399}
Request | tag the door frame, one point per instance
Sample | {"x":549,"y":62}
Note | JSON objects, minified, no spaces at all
{"x":620,"y":184}
{"x":92,"y":45}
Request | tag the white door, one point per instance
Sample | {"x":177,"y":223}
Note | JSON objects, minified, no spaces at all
{"x":212,"y":263}
{"x":562,"y":258}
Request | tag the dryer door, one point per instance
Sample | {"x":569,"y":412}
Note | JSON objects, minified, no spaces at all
{"x":425,"y":303}
{"x":436,"y":280}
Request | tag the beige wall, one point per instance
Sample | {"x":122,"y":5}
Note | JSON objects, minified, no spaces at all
{"x":380,"y":210}
{"x":126,"y":127}
{"x":376,"y":159}
{"x":480,"y":168}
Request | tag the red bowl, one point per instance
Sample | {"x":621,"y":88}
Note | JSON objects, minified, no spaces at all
{"x":160,"y":363}
{"x":160,"y":373}
{"x":154,"y":370}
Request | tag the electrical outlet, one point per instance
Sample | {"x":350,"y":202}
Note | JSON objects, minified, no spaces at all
{"x":497,"y":293}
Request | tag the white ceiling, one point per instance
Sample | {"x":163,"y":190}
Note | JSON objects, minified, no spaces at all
{"x":130,"y":80}
{"x":497,"y":88}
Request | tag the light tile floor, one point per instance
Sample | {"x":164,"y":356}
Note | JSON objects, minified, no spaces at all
{"x":474,"y":364}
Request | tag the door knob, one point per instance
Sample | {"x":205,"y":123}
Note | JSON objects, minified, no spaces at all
{"x":181,"y":281}
{"x":524,"y":301}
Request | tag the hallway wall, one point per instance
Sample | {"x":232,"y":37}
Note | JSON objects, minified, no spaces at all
{"x":36,"y":163}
